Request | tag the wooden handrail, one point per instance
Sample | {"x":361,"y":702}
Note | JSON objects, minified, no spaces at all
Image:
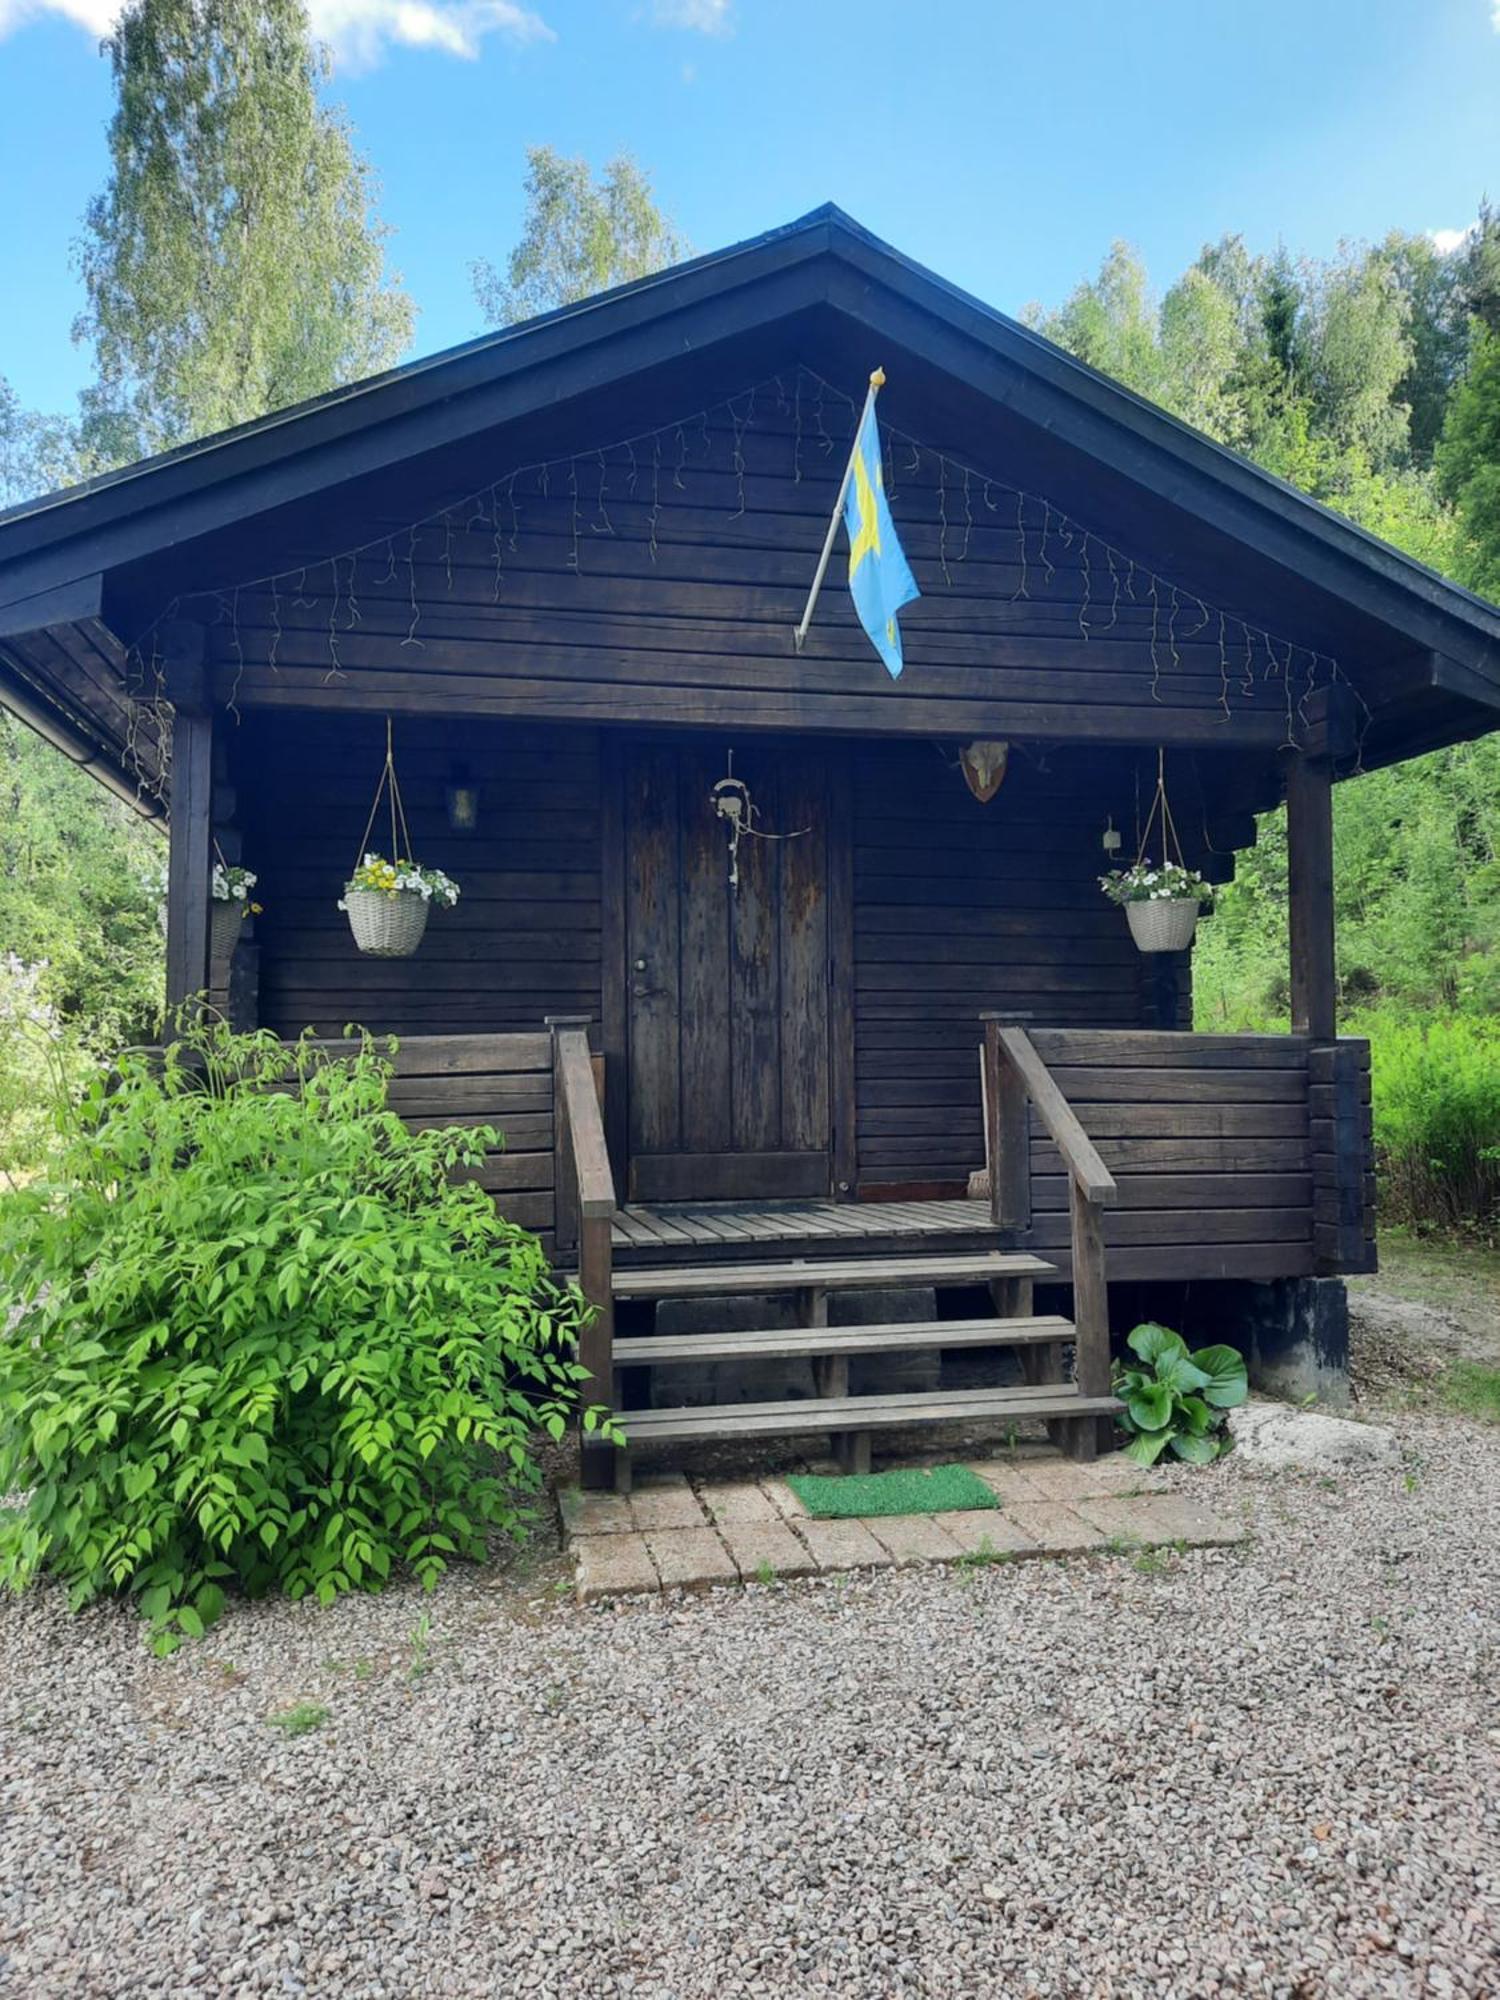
{"x":1058,"y":1116}
{"x":1015,"y":1074}
{"x":585,"y":1209}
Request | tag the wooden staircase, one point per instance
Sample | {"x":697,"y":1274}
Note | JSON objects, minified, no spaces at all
{"x":1070,"y":1406}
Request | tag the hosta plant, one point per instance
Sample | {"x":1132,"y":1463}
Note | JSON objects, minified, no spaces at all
{"x":261,"y":1337}
{"x":1174,"y":1399}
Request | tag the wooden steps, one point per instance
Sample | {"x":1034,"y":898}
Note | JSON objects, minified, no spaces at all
{"x":832,"y":1274}
{"x":862,"y":1413}
{"x":851,"y":1421}
{"x":903,"y":1337}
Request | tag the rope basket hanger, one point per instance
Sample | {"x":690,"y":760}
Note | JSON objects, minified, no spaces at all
{"x":388,"y":787}
{"x":1161,"y":810}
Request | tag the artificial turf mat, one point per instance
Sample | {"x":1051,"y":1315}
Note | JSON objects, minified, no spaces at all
{"x":939,"y":1489}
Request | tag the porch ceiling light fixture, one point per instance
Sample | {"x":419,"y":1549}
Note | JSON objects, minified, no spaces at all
{"x":461,"y":798}
{"x":984,"y":765}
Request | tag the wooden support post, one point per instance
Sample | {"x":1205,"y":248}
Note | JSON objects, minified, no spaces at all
{"x":565,"y":1165}
{"x":1091,"y":1366}
{"x":1008,"y":1140}
{"x":190,"y":854}
{"x":1309,"y":839}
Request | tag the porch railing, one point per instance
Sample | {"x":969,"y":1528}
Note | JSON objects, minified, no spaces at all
{"x":585,"y":1191}
{"x":1016,"y":1076}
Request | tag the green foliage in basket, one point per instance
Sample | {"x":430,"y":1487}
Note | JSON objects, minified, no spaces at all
{"x":1175,"y":1398}
{"x":1155,"y":882}
{"x":263,"y":1340}
{"x":395,"y":878}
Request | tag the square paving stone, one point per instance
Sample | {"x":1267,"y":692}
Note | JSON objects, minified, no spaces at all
{"x":981,"y":1531}
{"x":612,"y":1566}
{"x":784,"y":1500}
{"x":1065,"y":1479}
{"x":1161,"y":1517}
{"x":767,"y":1547}
{"x":666,"y":1503}
{"x":594,"y":1513}
{"x":913,"y":1538}
{"x":691,"y":1558}
{"x":1007,"y":1482}
{"x":843,"y":1545}
{"x":1055,"y":1530}
{"x":742,"y":1502}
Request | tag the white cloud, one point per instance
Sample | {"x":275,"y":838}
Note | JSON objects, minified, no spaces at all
{"x":1446,"y":241}
{"x":359,"y":32}
{"x":97,"y":16}
{"x":704,"y":17}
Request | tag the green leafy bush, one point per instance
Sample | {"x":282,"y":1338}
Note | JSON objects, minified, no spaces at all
{"x":1176,"y":1398}
{"x":263,"y":1338}
{"x":1436,"y":1091}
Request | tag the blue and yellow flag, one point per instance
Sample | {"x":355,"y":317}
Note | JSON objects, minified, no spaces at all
{"x":880,"y":581}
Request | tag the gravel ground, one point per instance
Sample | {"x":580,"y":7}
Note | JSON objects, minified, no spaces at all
{"x":1259,"y":1771}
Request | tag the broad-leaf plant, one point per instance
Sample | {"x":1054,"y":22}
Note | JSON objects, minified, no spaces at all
{"x":265,"y":1337}
{"x":1174,"y":1399}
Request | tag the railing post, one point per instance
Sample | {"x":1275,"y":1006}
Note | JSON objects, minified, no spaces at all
{"x":585,"y":1217}
{"x":1091,"y":1367}
{"x":1008,"y":1137}
{"x":564,"y":1165}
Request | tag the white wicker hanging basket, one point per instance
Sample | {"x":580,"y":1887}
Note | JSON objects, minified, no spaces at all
{"x":1166,"y":923}
{"x":224,"y":922}
{"x":386,"y":926}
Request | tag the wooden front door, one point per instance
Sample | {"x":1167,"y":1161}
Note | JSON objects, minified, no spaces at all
{"x":727,"y":987}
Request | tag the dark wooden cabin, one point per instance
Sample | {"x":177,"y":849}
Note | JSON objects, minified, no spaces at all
{"x":566,"y":561}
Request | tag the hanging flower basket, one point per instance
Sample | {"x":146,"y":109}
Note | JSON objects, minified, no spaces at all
{"x":1166,"y":923}
{"x":229,"y":905}
{"x":1161,"y":899}
{"x":387,"y":902}
{"x":386,"y":923}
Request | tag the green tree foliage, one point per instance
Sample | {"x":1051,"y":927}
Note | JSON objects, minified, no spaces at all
{"x":582,"y":235}
{"x":233,"y":264}
{"x":263,"y":1339}
{"x":1468,"y":464}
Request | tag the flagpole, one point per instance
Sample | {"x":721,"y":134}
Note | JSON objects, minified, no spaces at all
{"x":877,"y":383}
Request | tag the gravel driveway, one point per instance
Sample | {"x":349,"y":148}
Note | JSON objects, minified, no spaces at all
{"x":1260,"y":1771}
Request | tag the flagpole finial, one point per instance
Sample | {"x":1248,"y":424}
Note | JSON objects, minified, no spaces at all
{"x":877,"y":378}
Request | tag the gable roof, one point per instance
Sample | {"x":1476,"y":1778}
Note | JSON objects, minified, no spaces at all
{"x":61,"y":553}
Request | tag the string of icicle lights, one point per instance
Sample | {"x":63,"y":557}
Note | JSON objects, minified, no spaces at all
{"x":978,"y":513}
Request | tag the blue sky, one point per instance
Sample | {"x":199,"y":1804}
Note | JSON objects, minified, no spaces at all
{"x":1004,"y":144}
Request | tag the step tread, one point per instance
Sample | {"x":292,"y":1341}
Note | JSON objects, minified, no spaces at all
{"x":898,"y":1337}
{"x":859,"y":1413}
{"x":831,"y":1274}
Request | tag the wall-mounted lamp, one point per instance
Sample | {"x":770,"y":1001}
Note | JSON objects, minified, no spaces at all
{"x":461,"y":796}
{"x":1111,"y":838}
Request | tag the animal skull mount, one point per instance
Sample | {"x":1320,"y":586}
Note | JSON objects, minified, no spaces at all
{"x":731,"y":800}
{"x":984,"y":765}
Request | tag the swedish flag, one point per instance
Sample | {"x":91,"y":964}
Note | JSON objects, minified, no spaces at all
{"x":880,"y":581}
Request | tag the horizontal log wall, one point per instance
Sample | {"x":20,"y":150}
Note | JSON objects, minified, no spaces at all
{"x":622,"y":590}
{"x":1343,"y":1156}
{"x":523,"y":941}
{"x":1208,"y":1137}
{"x":960,"y":907}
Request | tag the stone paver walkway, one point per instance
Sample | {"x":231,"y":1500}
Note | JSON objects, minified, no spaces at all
{"x":673,"y":1534}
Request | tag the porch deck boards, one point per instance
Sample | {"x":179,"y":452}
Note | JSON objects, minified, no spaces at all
{"x":666,"y":1231}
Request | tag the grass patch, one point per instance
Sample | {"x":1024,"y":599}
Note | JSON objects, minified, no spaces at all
{"x":300,"y":1720}
{"x":940,"y":1489}
{"x":1471,"y":1390}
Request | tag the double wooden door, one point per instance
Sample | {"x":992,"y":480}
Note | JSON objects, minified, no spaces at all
{"x":727,"y":984}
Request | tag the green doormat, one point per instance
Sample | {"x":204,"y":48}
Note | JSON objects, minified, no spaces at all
{"x":942,"y":1489}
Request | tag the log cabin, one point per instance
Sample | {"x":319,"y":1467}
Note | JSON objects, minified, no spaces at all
{"x":744,"y":1081}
